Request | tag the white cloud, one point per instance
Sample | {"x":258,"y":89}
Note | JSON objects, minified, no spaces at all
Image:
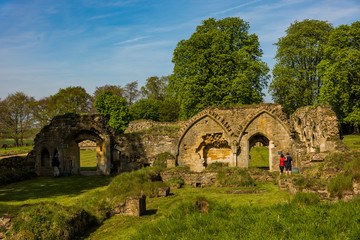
{"x":131,"y":40}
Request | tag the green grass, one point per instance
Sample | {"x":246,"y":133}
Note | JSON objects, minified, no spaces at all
{"x":125,"y":227}
{"x":88,"y":160}
{"x":63,"y":190}
{"x":352,"y":141}
{"x":15,"y":150}
{"x":259,"y":157}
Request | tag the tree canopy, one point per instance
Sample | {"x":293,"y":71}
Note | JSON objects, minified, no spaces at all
{"x":218,"y":65}
{"x":341,"y":73}
{"x":113,"y":107}
{"x":70,"y":100}
{"x":296,"y":82}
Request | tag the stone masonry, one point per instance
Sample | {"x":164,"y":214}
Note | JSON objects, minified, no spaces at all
{"x":213,"y":135}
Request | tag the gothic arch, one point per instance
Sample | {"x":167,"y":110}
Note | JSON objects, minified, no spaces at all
{"x":196,"y":120}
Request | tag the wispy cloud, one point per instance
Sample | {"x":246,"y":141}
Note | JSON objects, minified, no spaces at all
{"x":131,"y":40}
{"x":236,"y":7}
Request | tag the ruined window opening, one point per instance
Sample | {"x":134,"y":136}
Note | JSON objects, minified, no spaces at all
{"x":45,"y":158}
{"x":259,"y":152}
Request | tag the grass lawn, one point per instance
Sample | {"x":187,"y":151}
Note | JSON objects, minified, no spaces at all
{"x":352,"y":141}
{"x":259,"y":157}
{"x":64,"y":190}
{"x":88,"y":160}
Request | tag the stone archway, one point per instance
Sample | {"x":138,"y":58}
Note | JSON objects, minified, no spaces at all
{"x":273,"y":132}
{"x":81,"y":136}
{"x":64,"y":133}
{"x":203,"y":142}
{"x":259,"y":144}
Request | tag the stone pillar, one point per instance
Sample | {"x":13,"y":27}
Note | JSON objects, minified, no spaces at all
{"x":104,"y":165}
{"x":235,"y":149}
{"x":272,"y":155}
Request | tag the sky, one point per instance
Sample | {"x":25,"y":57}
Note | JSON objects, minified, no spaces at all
{"x":46,"y":45}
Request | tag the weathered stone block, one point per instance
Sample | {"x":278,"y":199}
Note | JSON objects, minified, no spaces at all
{"x":132,"y":206}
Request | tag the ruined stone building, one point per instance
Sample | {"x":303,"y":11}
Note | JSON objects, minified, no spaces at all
{"x":213,"y":135}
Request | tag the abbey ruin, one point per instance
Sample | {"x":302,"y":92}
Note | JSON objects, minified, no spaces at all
{"x":213,"y":135}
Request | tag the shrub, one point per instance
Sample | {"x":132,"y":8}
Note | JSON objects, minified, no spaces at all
{"x":304,"y":199}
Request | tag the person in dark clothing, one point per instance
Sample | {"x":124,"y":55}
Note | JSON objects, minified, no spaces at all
{"x":56,"y":164}
{"x":288,"y":164}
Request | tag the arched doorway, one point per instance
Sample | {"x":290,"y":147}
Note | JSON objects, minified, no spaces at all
{"x":259,"y":151}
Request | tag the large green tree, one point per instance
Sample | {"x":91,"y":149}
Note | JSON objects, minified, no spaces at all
{"x":16,"y":117}
{"x":114,"y":108}
{"x":341,"y":73}
{"x":296,"y":82}
{"x":70,"y":100}
{"x":218,"y":65}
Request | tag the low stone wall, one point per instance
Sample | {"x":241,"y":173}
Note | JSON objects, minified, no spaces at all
{"x":17,"y":163}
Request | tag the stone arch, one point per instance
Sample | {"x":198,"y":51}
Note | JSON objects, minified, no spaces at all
{"x":196,"y":120}
{"x":274,"y":129}
{"x":197,"y":145}
{"x":63,"y":135}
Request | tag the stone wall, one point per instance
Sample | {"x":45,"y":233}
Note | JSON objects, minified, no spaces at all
{"x":213,"y":135}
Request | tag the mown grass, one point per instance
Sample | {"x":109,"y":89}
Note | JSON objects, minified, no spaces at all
{"x":352,"y":141}
{"x":88,"y":160}
{"x":259,"y":157}
{"x":15,"y":150}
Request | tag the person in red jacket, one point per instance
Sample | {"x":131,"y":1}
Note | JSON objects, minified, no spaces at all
{"x":282,"y":163}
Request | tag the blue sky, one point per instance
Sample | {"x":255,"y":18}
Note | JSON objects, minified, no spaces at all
{"x":46,"y":45}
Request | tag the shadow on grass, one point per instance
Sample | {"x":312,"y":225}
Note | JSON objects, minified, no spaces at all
{"x":47,"y":187}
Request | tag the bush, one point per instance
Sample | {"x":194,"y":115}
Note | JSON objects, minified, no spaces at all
{"x":304,"y":199}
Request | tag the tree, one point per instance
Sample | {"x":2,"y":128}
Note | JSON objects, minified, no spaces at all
{"x":113,"y":107}
{"x":296,"y":82}
{"x":155,"y":88}
{"x":116,"y":90}
{"x":341,"y":73}
{"x":70,"y":100}
{"x":131,"y":92}
{"x":145,"y":109}
{"x":16,"y":117}
{"x":41,"y":112}
{"x":169,"y":110}
{"x":218,"y":65}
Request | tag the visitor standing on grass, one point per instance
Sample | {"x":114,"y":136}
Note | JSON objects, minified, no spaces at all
{"x":56,"y":164}
{"x":288,"y":164}
{"x":282,"y":163}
